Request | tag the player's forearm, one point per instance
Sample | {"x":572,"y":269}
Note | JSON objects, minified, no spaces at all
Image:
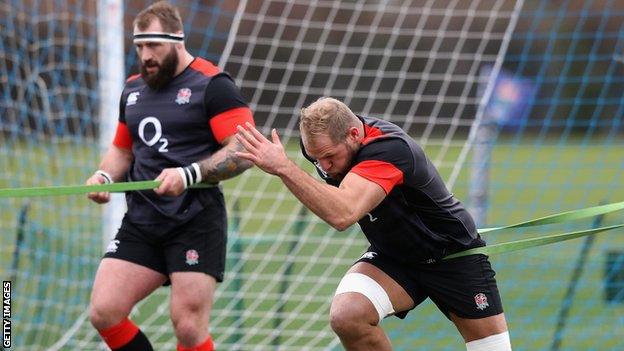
{"x":116,"y":162}
{"x":326,"y":201}
{"x":223,"y":164}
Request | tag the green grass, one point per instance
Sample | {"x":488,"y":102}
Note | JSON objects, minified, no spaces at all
{"x":62,"y":246}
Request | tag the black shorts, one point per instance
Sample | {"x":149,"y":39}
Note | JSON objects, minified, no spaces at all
{"x":195,"y":246}
{"x":464,"y":286}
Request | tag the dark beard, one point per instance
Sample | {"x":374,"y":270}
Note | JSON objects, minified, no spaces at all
{"x":165,"y":73}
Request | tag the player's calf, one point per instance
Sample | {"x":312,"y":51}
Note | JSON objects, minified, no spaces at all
{"x":125,"y":336}
{"x":206,"y":345}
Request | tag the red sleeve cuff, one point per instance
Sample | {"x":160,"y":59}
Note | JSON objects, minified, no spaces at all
{"x":382,"y":173}
{"x":122,"y":136}
{"x":224,"y":124}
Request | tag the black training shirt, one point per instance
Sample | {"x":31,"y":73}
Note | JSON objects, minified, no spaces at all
{"x":181,"y":123}
{"x":419,"y":219}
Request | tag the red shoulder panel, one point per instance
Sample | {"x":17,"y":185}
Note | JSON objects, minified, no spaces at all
{"x":133,"y":77}
{"x":205,"y":67}
{"x":382,"y":173}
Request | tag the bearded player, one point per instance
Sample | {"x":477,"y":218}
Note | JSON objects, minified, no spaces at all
{"x":176,"y":124}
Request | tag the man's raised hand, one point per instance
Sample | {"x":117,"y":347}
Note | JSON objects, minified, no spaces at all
{"x":269,"y":156}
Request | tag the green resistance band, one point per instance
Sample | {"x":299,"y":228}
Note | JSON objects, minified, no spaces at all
{"x":151,"y":184}
{"x":529,"y":243}
{"x":549,"y":239}
{"x":84,"y":189}
{"x":562,"y":217}
{"x":488,"y":250}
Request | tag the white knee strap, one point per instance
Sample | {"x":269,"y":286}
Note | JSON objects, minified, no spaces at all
{"x":365,"y":285}
{"x":497,"y":342}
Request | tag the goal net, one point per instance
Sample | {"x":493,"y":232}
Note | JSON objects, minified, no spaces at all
{"x":517,"y":102}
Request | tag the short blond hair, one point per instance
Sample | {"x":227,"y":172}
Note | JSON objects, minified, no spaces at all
{"x":167,"y":14}
{"x":327,"y":116}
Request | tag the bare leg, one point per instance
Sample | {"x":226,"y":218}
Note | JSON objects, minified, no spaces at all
{"x":354,"y":318}
{"x":474,"y":329}
{"x":191,"y":301}
{"x":118,"y":286}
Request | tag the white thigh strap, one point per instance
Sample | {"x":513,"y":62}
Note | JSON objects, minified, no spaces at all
{"x":365,"y":285}
{"x":496,"y":342}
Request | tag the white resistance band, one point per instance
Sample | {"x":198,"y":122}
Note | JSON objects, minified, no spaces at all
{"x":160,"y":37}
{"x":365,"y":285}
{"x":496,"y":342}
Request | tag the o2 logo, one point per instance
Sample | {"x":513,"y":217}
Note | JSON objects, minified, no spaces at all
{"x":156,"y":138}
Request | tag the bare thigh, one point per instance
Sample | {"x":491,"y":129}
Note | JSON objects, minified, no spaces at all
{"x":191,"y":301}
{"x":119,"y":285}
{"x":475,"y":329}
{"x":191,"y":292}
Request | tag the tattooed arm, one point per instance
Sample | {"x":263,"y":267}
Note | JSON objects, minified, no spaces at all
{"x":224,"y":164}
{"x":221,"y":165}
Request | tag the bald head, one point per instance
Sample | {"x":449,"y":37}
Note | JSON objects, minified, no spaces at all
{"x":327,"y":116}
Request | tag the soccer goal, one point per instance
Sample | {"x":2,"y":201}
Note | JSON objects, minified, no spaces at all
{"x":517,"y":102}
